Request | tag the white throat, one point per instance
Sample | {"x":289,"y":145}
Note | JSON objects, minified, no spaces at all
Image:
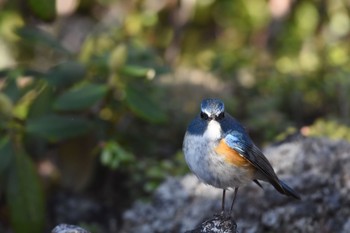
{"x":213,"y":131}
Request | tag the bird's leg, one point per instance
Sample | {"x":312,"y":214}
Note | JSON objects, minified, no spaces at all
{"x":234,"y":198}
{"x":223,"y":201}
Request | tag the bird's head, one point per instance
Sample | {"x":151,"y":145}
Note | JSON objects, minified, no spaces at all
{"x":212,"y":109}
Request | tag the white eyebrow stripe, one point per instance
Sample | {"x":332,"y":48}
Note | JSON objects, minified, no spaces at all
{"x":206,"y":112}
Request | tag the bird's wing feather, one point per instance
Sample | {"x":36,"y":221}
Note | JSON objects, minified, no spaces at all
{"x":232,"y":156}
{"x":240,"y":143}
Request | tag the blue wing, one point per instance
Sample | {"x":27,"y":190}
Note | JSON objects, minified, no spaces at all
{"x":237,"y":139}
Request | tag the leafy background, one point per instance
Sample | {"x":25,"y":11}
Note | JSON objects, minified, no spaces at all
{"x":96,"y":94}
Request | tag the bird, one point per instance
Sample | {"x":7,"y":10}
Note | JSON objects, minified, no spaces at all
{"x":219,"y":151}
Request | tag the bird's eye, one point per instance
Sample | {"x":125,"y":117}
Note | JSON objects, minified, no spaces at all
{"x":204,"y":116}
{"x":220,"y":116}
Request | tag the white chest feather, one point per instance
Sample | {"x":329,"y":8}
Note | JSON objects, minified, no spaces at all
{"x":213,"y":131}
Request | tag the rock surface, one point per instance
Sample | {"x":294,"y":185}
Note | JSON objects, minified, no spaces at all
{"x":65,"y":228}
{"x":221,"y":223}
{"x":319,"y":169}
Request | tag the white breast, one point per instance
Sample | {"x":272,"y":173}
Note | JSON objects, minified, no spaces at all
{"x":213,"y":132}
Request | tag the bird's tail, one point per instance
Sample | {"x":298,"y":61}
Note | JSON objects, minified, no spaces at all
{"x":285,"y":189}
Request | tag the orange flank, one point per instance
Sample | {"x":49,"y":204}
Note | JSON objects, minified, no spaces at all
{"x":231,"y":156}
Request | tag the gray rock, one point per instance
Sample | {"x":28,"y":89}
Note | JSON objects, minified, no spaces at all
{"x":319,"y":169}
{"x":221,"y":223}
{"x":65,"y":228}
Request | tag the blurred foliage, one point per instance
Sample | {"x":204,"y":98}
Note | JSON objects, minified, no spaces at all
{"x":329,"y":128}
{"x":80,"y":85}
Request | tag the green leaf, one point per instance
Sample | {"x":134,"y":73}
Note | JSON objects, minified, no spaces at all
{"x":138,"y":72}
{"x":25,"y":195}
{"x":66,"y":74}
{"x":11,"y":89}
{"x":42,"y":104}
{"x":6,"y":106}
{"x":18,"y":71}
{"x":142,"y":105}
{"x":81,"y":97}
{"x":5,"y":155}
{"x":114,"y":155}
{"x":35,"y":35}
{"x":56,"y":127}
{"x":44,"y":9}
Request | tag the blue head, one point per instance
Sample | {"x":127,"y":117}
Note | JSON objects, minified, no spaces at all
{"x":212,"y":109}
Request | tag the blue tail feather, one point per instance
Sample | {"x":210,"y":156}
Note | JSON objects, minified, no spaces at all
{"x":289,"y":191}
